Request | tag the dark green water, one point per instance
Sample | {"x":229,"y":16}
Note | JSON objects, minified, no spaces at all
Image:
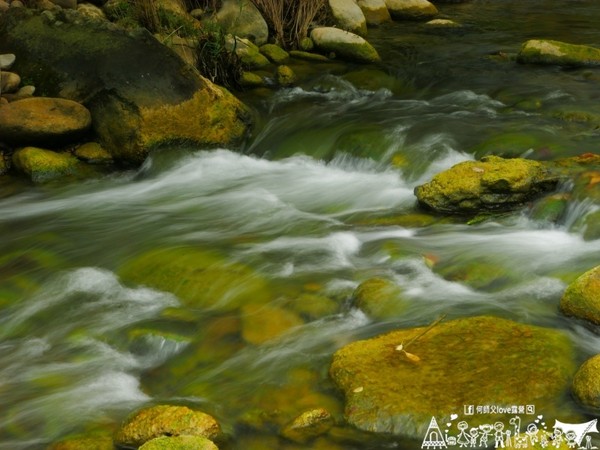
{"x":303,"y":210}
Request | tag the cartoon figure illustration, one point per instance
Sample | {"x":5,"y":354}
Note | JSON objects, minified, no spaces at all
{"x":544,"y":439}
{"x":499,"y":434}
{"x":486,"y":429}
{"x":588,"y":443}
{"x":474,"y":433}
{"x":532,"y":433}
{"x":463,"y":438}
{"x":557,"y":438}
{"x":571,"y":437}
{"x":516,"y":423}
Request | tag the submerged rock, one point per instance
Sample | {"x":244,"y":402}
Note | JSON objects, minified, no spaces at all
{"x":179,"y":443}
{"x":411,"y":9}
{"x":537,"y":51}
{"x":100,"y":442}
{"x":493,"y":183}
{"x":380,"y":298}
{"x":344,"y":44}
{"x":308,"y":425}
{"x":478,"y":360}
{"x":586,"y":383}
{"x":582,"y":297}
{"x":261,"y":323}
{"x":348,"y":16}
{"x":165,"y":420}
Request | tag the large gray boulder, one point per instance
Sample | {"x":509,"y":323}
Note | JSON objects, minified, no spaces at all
{"x":241,"y":18}
{"x":348,"y":16}
{"x":139,"y":92}
{"x":344,"y":44}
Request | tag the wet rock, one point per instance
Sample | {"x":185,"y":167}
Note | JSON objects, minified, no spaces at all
{"x":550,"y":209}
{"x":261,"y":323}
{"x":380,"y":298}
{"x":93,"y":153}
{"x":306,"y":44}
{"x":179,"y":443}
{"x":493,"y":183}
{"x":586,"y":383}
{"x":285,"y":76}
{"x":558,"y":53}
{"x":443,"y":23}
{"x":344,"y":44}
{"x":411,"y":9}
{"x":42,"y":120}
{"x":375,"y":11}
{"x":307,"y":56}
{"x":275,"y":53}
{"x":42,"y":165}
{"x":100,"y":442}
{"x":248,"y":53}
{"x":9,"y":82}
{"x":251,"y":79}
{"x":198,"y":278}
{"x":348,"y":16}
{"x":6,"y":61}
{"x":140,"y":94}
{"x":591,"y":226}
{"x":314,"y":306}
{"x":478,"y":360}
{"x":582,"y":297}
{"x":241,"y":18}
{"x":308,"y":426}
{"x":165,"y":420}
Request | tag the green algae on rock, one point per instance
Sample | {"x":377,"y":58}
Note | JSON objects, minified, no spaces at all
{"x":179,"y":443}
{"x":479,"y":360}
{"x":45,"y":165}
{"x":84,"y":442}
{"x":261,"y":323}
{"x":493,"y":183}
{"x":586,"y":383}
{"x":542,"y":51}
{"x":380,"y":298}
{"x":308,"y":425}
{"x":200,"y":279}
{"x":582,"y":297}
{"x":165,"y":420}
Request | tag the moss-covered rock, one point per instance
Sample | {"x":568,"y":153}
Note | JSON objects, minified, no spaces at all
{"x":550,"y":209}
{"x":261,"y":323}
{"x":180,"y":443}
{"x":308,"y":425}
{"x":84,"y":442}
{"x":345,"y":45}
{"x":591,"y":226}
{"x":285,"y":76}
{"x":251,"y":79}
{"x":93,"y":153}
{"x":586,"y":383}
{"x":199,"y":278}
{"x":540,"y":51}
{"x":582,"y":297}
{"x":493,"y":183}
{"x":476,"y":273}
{"x":241,"y":18}
{"x":479,"y":360}
{"x":308,"y":56}
{"x":275,"y":53}
{"x":380,"y":298}
{"x":165,"y":420}
{"x":411,"y":9}
{"x":45,"y":165}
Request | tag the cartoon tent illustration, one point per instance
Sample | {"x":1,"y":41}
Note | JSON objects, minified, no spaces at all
{"x":580,"y":429}
{"x":434,"y":437}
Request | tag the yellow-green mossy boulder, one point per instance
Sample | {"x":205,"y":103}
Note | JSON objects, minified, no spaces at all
{"x":586,"y":383}
{"x":308,"y":425}
{"x":493,"y":183}
{"x":380,"y":298}
{"x":411,"y":9}
{"x":44,"y":165}
{"x":345,"y":45}
{"x":582,"y":297}
{"x":180,"y":443}
{"x":542,"y":51}
{"x":472,"y":361}
{"x":165,"y":420}
{"x":200,"y":279}
{"x":285,"y":76}
{"x":93,"y":153}
{"x":275,"y":53}
{"x":99,"y":442}
{"x":261,"y":323}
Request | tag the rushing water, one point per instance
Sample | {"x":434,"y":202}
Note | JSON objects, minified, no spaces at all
{"x":320,"y":200}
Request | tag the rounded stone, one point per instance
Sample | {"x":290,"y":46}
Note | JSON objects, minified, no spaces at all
{"x":42,"y":165}
{"x":541,"y":51}
{"x":165,"y":420}
{"x":348,"y":16}
{"x":586,"y":383}
{"x":582,"y":297}
{"x":6,"y":61}
{"x":261,"y":323}
{"x":93,"y":153}
{"x":275,"y":53}
{"x":285,"y":76}
{"x":344,"y":44}
{"x":308,"y":425}
{"x":179,"y":443}
{"x":9,"y":82}
{"x":375,"y":11}
{"x":43,"y":120}
{"x":411,"y":9}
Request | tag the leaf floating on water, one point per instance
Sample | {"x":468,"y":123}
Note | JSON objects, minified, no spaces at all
{"x":358,"y":389}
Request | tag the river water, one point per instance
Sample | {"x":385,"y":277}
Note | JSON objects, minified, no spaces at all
{"x":320,"y":199}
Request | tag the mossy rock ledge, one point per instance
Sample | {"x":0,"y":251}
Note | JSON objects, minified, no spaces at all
{"x":472,"y":361}
{"x":491,"y":184}
{"x":140,"y":93}
{"x":541,"y":51}
{"x":582,"y":297}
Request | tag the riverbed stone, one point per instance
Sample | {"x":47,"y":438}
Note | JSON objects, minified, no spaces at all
{"x":344,"y":44}
{"x":251,"y":79}
{"x":42,"y":165}
{"x":85,"y":442}
{"x":541,"y":51}
{"x":165,"y":420}
{"x":309,"y":56}
{"x":586,"y":383}
{"x":275,"y":53}
{"x":348,"y":16}
{"x":411,"y":9}
{"x":478,"y":360}
{"x":42,"y":120}
{"x":493,"y":183}
{"x":375,"y":11}
{"x":9,"y":82}
{"x":199,"y":278}
{"x":261,"y":323}
{"x":308,"y":425}
{"x":380,"y":298}
{"x":93,"y":153}
{"x":179,"y":443}
{"x":443,"y":23}
{"x":91,"y":11}
{"x":140,"y":93}
{"x":582,"y":297}
{"x":7,"y":60}
{"x":241,"y":18}
{"x":285,"y":76}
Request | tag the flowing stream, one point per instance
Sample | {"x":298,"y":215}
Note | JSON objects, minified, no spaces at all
{"x":319,"y":200}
